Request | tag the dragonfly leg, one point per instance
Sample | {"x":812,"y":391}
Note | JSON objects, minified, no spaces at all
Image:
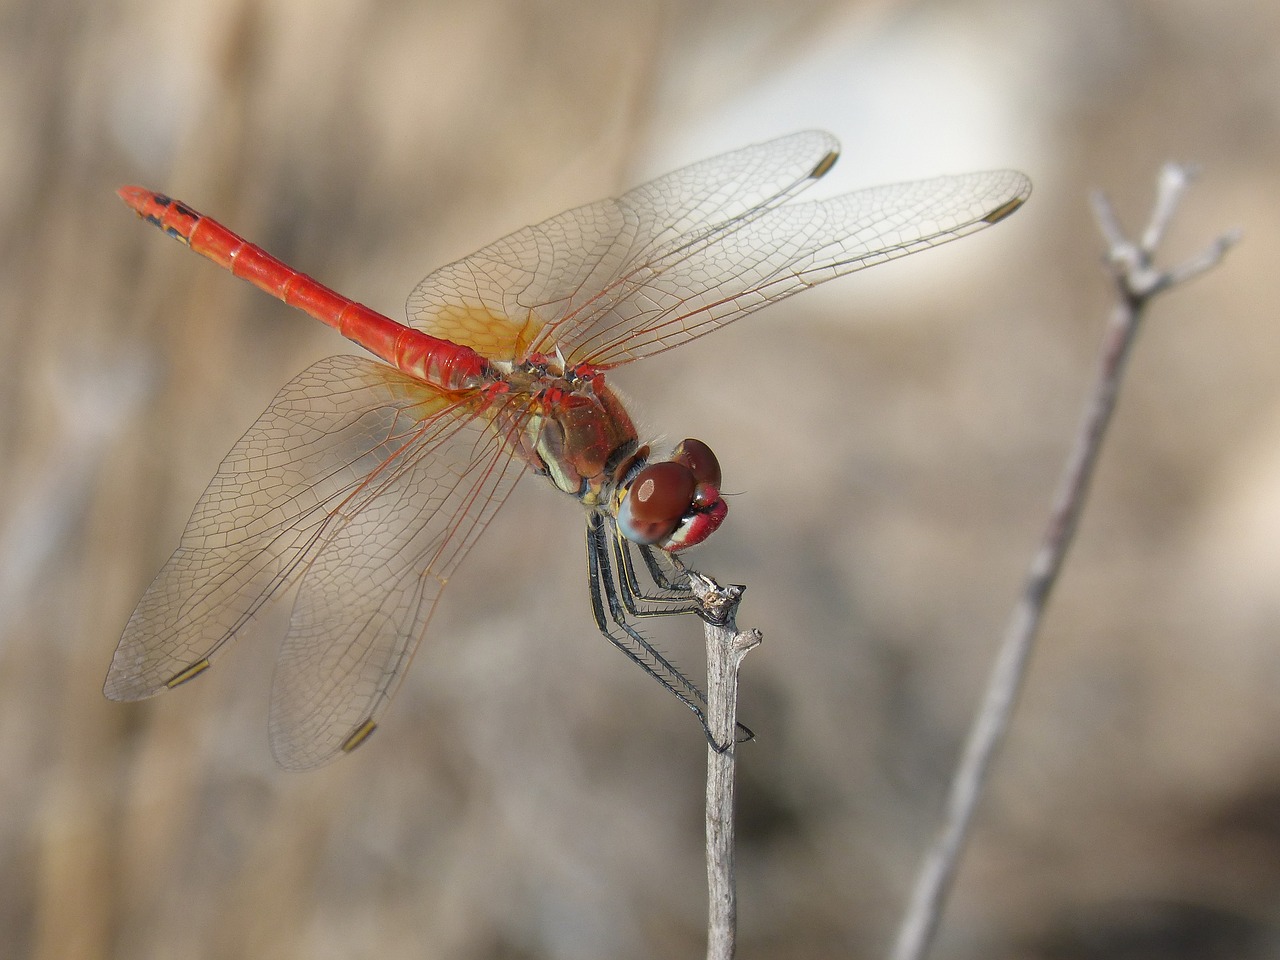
{"x":603,"y":588}
{"x":676,"y":579}
{"x":674,"y":597}
{"x":611,"y":610}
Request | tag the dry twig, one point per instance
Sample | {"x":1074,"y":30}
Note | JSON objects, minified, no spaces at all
{"x":726,"y":648}
{"x":1137,"y":281}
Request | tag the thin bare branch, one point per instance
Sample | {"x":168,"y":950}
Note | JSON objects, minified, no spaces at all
{"x":726,"y":648}
{"x":1133,"y":263}
{"x":1137,"y":282}
{"x":1172,"y":184}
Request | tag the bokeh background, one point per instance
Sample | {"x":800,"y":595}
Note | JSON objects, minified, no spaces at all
{"x":894,"y":440}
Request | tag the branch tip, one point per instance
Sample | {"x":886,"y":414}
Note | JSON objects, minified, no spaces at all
{"x":719,"y":603}
{"x":746,"y":640}
{"x":1132,"y":263}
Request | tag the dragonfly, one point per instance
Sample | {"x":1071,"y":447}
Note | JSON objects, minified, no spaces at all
{"x":365,"y":483}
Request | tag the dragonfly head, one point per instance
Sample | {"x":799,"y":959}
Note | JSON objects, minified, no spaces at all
{"x":676,"y":503}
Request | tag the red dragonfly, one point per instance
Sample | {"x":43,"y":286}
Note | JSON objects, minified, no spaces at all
{"x":365,"y":483}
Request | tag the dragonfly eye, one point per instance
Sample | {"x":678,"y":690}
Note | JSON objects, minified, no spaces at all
{"x":656,"y":500}
{"x":676,"y":503}
{"x":697,"y":456}
{"x":707,"y":509}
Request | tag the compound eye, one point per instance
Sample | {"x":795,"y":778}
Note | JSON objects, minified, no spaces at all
{"x":656,"y":500}
{"x":697,"y":456}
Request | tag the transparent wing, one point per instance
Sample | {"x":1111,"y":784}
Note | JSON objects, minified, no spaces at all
{"x":347,"y":441}
{"x":365,"y":601}
{"x":673,"y":295}
{"x":689,"y":252}
{"x":506,"y":299}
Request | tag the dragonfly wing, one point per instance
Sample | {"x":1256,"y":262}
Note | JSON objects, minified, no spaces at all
{"x":366,"y":598}
{"x":267,"y":512}
{"x":681,"y":292}
{"x":523,"y":293}
{"x":261,"y":517}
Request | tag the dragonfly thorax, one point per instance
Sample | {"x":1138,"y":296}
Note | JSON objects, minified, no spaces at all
{"x":577,"y":433}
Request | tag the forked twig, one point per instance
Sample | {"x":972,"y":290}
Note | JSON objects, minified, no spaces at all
{"x":726,"y":648}
{"x":1137,"y":281}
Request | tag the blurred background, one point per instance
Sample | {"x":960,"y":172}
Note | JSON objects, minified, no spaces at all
{"x":893,"y":439}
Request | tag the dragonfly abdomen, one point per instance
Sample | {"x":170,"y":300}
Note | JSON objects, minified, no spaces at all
{"x":438,"y":362}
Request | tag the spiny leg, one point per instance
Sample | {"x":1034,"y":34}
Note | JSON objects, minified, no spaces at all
{"x":633,"y":595}
{"x":602,"y":586}
{"x":679,"y":583}
{"x":676,"y":580}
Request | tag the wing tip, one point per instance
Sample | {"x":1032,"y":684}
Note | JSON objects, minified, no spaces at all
{"x":1006,"y":209}
{"x":188,"y":674}
{"x":122,"y":690}
{"x":359,"y":735}
{"x":296,"y":754}
{"x":124,"y":685}
{"x":823,"y":166}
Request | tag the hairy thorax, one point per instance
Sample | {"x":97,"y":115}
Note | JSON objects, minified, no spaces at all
{"x":574,"y":431}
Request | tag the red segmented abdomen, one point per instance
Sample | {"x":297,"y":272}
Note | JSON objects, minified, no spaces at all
{"x":438,"y":362}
